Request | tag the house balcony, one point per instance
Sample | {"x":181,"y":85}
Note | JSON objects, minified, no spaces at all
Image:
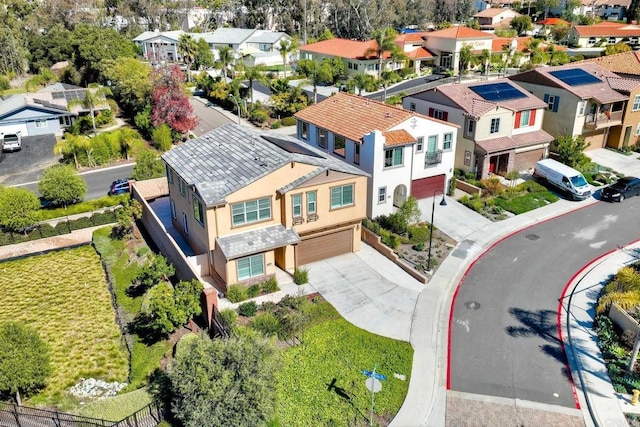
{"x":603,"y":120}
{"x":432,"y":158}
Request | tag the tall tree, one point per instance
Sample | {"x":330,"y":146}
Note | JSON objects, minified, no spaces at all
{"x":25,"y":364}
{"x":170,"y":104}
{"x":385,"y":42}
{"x":224,"y":382}
{"x":93,"y":98}
{"x":466,"y":56}
{"x":19,"y":208}
{"x":188,"y":49}
{"x":484,"y":59}
{"x":254,"y":74}
{"x":522,"y":24}
{"x":61,"y":185}
{"x":204,"y":56}
{"x":286,"y":48}
{"x":130,"y":83}
{"x":225,"y":61}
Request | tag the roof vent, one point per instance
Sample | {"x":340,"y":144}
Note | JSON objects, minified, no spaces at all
{"x":388,"y":115}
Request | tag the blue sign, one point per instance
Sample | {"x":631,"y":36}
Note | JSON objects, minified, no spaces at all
{"x":374,"y":375}
{"x":367,"y":373}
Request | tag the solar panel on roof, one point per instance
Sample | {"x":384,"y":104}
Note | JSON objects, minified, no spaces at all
{"x":290,"y":146}
{"x":575,"y":77}
{"x":57,"y":95}
{"x":497,"y":92}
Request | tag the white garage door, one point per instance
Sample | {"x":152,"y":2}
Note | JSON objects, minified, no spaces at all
{"x":14,"y":128}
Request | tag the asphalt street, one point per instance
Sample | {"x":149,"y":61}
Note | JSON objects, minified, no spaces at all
{"x":504,"y":324}
{"x":209,"y":117}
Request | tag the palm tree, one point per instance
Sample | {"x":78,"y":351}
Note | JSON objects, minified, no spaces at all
{"x":485,"y":59}
{"x":127,"y":138}
{"x":254,"y":73}
{"x":466,"y":56}
{"x":385,"y":41}
{"x":360,"y":81}
{"x":320,"y":72}
{"x":91,"y":100}
{"x":225,"y":59}
{"x":386,"y":78}
{"x":188,"y":49}
{"x":533,"y":49}
{"x":286,"y":48}
{"x":70,"y":145}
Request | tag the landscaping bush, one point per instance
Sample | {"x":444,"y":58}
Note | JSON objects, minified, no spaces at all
{"x":404,"y":72}
{"x":269,"y":306}
{"x":389,"y":239}
{"x":46,"y":230}
{"x":229,"y":317}
{"x":276,"y":125}
{"x":474,"y":202}
{"x":300,"y":276}
{"x":288,"y":121}
{"x":371,"y":226}
{"x":418,"y":246}
{"x":270,"y":285}
{"x":492,"y":186}
{"x":80,"y":223}
{"x":266,"y":323}
{"x":248,"y":309}
{"x":418,"y":234}
{"x":102,"y":218}
{"x":253,"y":291}
{"x":237,"y":293}
{"x":395,"y":223}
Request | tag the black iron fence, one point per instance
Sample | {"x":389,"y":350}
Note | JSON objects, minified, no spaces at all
{"x":22,"y":416}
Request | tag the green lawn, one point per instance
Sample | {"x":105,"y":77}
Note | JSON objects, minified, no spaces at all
{"x":82,"y":207}
{"x":335,"y":349}
{"x":63,"y":295}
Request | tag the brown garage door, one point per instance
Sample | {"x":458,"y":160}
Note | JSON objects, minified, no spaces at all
{"x":326,"y":246}
{"x":425,"y":187}
{"x":527,"y":159}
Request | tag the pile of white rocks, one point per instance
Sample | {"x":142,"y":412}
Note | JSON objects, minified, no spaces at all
{"x":91,"y":388}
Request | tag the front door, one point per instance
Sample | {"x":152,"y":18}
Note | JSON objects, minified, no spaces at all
{"x":627,"y":136}
{"x":399,"y":195}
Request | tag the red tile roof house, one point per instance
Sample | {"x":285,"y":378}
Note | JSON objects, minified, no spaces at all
{"x":582,"y":99}
{"x":405,"y":153}
{"x":502,"y":124}
{"x":603,"y":34}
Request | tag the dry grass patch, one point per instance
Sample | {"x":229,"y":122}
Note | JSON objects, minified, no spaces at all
{"x":64,"y":295}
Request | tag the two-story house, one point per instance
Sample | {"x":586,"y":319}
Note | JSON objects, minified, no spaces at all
{"x":405,"y":153}
{"x":502,"y":124}
{"x":603,"y":34}
{"x":579,"y":98}
{"x":255,"y":201}
{"x":495,"y":18}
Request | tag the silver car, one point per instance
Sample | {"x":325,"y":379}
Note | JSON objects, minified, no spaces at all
{"x":11,"y":142}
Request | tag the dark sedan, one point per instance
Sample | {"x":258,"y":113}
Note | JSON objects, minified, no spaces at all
{"x":622,"y":189}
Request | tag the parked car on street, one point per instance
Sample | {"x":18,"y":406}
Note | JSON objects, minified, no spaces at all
{"x":11,"y":142}
{"x":119,"y":186}
{"x":622,"y":189}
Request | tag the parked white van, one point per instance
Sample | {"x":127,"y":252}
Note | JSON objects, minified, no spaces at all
{"x":566,"y":179}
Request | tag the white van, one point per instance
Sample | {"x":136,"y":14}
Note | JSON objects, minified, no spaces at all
{"x":564,"y":178}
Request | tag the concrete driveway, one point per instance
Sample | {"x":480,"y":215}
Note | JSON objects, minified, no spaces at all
{"x":369,"y":291}
{"x":628,"y":165}
{"x":28,"y":164}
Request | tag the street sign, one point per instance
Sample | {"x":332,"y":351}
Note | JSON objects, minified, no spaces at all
{"x":367,"y":373}
{"x":373,"y":385}
{"x":374,"y":375}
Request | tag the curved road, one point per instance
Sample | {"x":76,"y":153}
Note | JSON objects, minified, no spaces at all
{"x":504,"y":325}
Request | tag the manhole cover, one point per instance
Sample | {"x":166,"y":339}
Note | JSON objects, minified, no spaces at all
{"x":472,"y":305}
{"x":532,"y":236}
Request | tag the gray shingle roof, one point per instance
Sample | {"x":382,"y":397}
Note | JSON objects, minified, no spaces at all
{"x":231,"y":157}
{"x":231,"y":35}
{"x":256,"y":241}
{"x":263,"y":36}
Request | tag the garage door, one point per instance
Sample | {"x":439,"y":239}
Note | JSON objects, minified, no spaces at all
{"x":326,"y":246}
{"x":425,"y":187}
{"x":14,"y":128}
{"x":527,"y":159}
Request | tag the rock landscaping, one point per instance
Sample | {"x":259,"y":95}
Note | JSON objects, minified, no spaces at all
{"x":91,"y":388}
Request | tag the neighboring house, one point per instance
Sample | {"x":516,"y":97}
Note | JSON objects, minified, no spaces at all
{"x":495,"y":18}
{"x":502,"y":124}
{"x":580,"y":100}
{"x":628,"y":133}
{"x":603,"y":34}
{"x":359,"y":57}
{"x":544,"y":26}
{"x":159,"y":46}
{"x":255,"y":201}
{"x":613,"y":9}
{"x":446,"y":44}
{"x":404,"y":153}
{"x":625,"y":64}
{"x":418,"y":56}
{"x":45,"y":111}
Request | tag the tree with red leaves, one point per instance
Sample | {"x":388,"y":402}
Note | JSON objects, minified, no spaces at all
{"x":170,"y":104}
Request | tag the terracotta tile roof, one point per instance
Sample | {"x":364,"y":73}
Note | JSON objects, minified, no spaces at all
{"x":618,"y":30}
{"x":623,"y":85}
{"x":498,"y":42}
{"x":343,"y":48}
{"x":492,"y":12}
{"x":475,"y":106}
{"x":600,"y":91}
{"x":419,"y":53}
{"x":622,"y":63}
{"x":398,"y":137}
{"x":553,"y":21}
{"x":515,"y":141}
{"x":353,"y":116}
{"x":416,"y":37}
{"x":460,"y":32}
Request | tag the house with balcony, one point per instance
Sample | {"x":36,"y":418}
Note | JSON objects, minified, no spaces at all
{"x":580,"y":100}
{"x":502,"y":124}
{"x":403,"y":152}
{"x":255,"y":202}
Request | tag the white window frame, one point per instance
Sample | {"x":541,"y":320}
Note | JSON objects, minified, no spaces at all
{"x":42,"y":123}
{"x":420,"y":144}
{"x":391,"y":162}
{"x":582,"y":105}
{"x":255,"y":265}
{"x":551,"y":102}
{"x":312,"y":205}
{"x":524,"y":114}
{"x":339,"y":192}
{"x":638,"y":130}
{"x":382,"y":195}
{"x":447,"y":141}
{"x":636,"y":103}
{"x":198,"y":211}
{"x":296,"y":204}
{"x":495,"y":125}
{"x":262,"y":210}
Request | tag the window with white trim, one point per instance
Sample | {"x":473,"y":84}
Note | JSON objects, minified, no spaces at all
{"x":382,"y":195}
{"x":636,"y":103}
{"x":581,"y":107}
{"x":551,"y":102}
{"x":495,"y":125}
{"x":524,"y":118}
{"x":638,"y":130}
{"x":182,"y":187}
{"x":311,"y":202}
{"x":42,"y":123}
{"x":393,"y":157}
{"x":296,"y":205}
{"x":420,"y":144}
{"x":342,"y":196}
{"x":198,"y":211}
{"x":322,"y":138}
{"x":446,"y":144}
{"x":251,"y":266}
{"x":251,"y":211}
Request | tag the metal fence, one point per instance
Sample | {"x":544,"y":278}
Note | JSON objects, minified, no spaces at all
{"x":12,"y":415}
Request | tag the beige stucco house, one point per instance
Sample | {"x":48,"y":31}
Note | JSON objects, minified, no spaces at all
{"x":580,"y":100}
{"x":255,"y":202}
{"x":495,"y":18}
{"x":502,"y":124}
{"x":603,"y":34}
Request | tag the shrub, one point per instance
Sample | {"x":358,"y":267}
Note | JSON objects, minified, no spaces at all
{"x":80,"y":223}
{"x":492,"y":186}
{"x":253,"y":291}
{"x":395,"y":222}
{"x":269,"y":306}
{"x":390,"y":239}
{"x":248,"y":309}
{"x":267,"y":323}
{"x":237,"y":293}
{"x":229,"y":317}
{"x":418,"y":246}
{"x":259,"y":115}
{"x":418,"y":234}
{"x":404,"y":72}
{"x":300,"y":276}
{"x":270,"y":285}
{"x":161,"y":137}
{"x":288,"y":121}
{"x":276,"y":125}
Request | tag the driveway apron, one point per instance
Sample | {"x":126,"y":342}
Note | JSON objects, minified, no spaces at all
{"x":364,"y":296}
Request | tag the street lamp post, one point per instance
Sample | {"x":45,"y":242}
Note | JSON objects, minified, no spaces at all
{"x":443,"y":202}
